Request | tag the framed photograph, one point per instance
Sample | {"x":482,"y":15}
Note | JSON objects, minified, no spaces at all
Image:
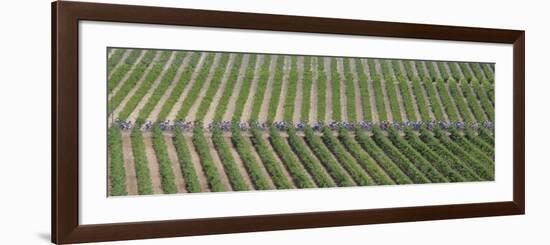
{"x":176,"y":122}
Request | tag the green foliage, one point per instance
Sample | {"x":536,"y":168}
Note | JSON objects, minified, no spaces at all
{"x":166,"y":80}
{"x":381,"y":158}
{"x":276,"y":89}
{"x":398,"y":158}
{"x":408,"y":102}
{"x":472,"y":101}
{"x":490,"y":89}
{"x":421,"y":69}
{"x":487,"y":136}
{"x":437,"y":160}
{"x":432,"y":70}
{"x":378,"y":93}
{"x":473,"y":163}
{"x":288,"y":158}
{"x":443,"y":70}
{"x":335,"y":83}
{"x":194,"y":92}
{"x":288,"y":107}
{"x":458,"y":98}
{"x":186,"y":164}
{"x":484,"y":100}
{"x":215,"y":83}
{"x":364,"y":90}
{"x":321,"y":89}
{"x":180,"y":86}
{"x":228,"y":90}
{"x":478,"y":72}
{"x":415,"y":157}
{"x":466,"y":71}
{"x":115,"y":58}
{"x":455,"y":70}
{"x":480,"y":143}
{"x":409,"y":69}
{"x":210,"y":171}
{"x":396,"y":67}
{"x":452,"y":114}
{"x":134,"y":77}
{"x":269,"y":160}
{"x":306,"y":89}
{"x":323,"y":154}
{"x":471,"y":148}
{"x":364,"y":159}
{"x":350,"y":92}
{"x":252,"y":167}
{"x":391,"y":91}
{"x":123,"y":69}
{"x":145,"y":187}
{"x":454,"y":162}
{"x":150,"y":78}
{"x":259,"y":94}
{"x":346,"y":160}
{"x":117,"y":172}
{"x":489,"y":71}
{"x":310,"y":163}
{"x":165,"y":167}
{"x":421,"y":100}
{"x":231,"y":169}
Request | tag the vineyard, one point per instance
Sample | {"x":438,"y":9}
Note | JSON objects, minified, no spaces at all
{"x":188,"y":121}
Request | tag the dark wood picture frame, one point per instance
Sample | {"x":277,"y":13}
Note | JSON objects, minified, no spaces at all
{"x":65,"y":122}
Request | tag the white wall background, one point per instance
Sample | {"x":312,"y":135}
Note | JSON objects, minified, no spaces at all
{"x":25,"y":96}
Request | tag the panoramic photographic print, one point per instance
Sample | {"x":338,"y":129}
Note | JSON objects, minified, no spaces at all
{"x":196,"y":121}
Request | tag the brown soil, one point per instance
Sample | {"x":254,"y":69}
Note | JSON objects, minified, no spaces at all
{"x":219,"y":165}
{"x":134,"y":115}
{"x":372,"y":98}
{"x":299,"y":91}
{"x":239,"y":83}
{"x":356,"y":88}
{"x":384,"y":91}
{"x":203,"y":182}
{"x":117,"y":110}
{"x":262,"y":117}
{"x":279,"y":116}
{"x":253,"y":87}
{"x":129,"y":167}
{"x":175,"y":81}
{"x":193,"y":111}
{"x":240,"y":165}
{"x":328,"y":111}
{"x":216,"y":99}
{"x":173,"y":156}
{"x":126,"y":76}
{"x":176,"y":108}
{"x":153,"y":164}
{"x":313,"y":92}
